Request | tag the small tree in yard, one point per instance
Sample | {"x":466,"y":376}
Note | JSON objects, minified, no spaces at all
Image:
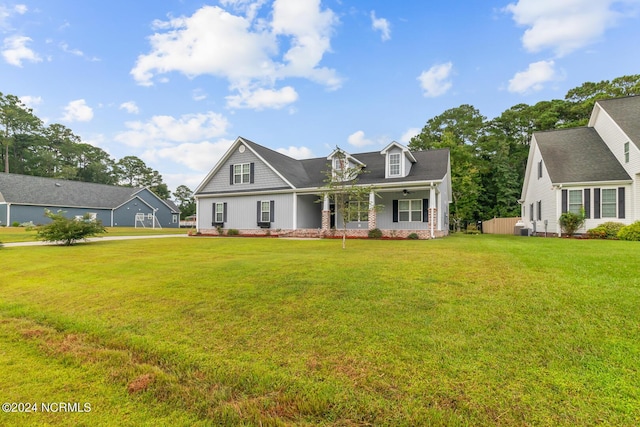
{"x":570,"y":222}
{"x":343,"y":190}
{"x":68,"y":230}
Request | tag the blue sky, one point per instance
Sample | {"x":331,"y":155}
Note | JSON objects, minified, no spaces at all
{"x":174,"y":82}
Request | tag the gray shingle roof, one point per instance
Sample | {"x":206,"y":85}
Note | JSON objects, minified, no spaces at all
{"x":626,"y":113}
{"x":578,"y":155}
{"x":431,"y":165}
{"x":35,"y":190}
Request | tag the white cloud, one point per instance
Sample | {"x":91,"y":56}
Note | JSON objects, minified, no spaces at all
{"x":31,"y":101}
{"x":410,"y":133}
{"x":435,"y":81}
{"x":6,"y":13}
{"x":77,"y":111}
{"x":564,"y":26}
{"x":357,"y":139}
{"x":260,"y":99}
{"x":130,"y":107}
{"x":165,"y":131}
{"x":244,"y":49}
{"x":200,"y":156}
{"x":296,"y":152}
{"x":198,"y":95}
{"x":15,"y":50}
{"x":533,"y":78}
{"x":382,"y":25}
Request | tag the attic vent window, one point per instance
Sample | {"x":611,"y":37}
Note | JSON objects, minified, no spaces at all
{"x":241,"y":148}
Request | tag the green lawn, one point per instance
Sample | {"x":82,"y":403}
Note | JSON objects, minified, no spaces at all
{"x":22,"y":234}
{"x":467,"y":330}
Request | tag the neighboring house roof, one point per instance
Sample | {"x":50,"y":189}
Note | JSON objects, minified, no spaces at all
{"x":625,"y":112}
{"x":578,"y":155}
{"x":35,"y":190}
{"x":431,"y":165}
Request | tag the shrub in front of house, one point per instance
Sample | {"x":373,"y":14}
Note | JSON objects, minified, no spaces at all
{"x":630,"y":232}
{"x":607,"y":230}
{"x":571,"y":222}
{"x":376,"y":233}
{"x":413,"y":236}
{"x":233,"y":232}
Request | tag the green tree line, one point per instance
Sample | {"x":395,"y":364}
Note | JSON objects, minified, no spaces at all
{"x":489,"y":157}
{"x":30,"y":147}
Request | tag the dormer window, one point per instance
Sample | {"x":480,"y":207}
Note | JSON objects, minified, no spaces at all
{"x":398,"y":160}
{"x":339,"y":164}
{"x":394,"y":164}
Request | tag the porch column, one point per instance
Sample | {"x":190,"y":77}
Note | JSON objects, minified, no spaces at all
{"x":326,"y":214}
{"x":433,"y":209}
{"x":372,"y":211}
{"x":295,"y":211}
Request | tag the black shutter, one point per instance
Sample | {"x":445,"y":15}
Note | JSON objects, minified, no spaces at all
{"x":596,"y":203}
{"x":231,"y":174}
{"x":395,"y":211}
{"x":587,"y":202}
{"x":259,"y":213}
{"x":539,"y":208}
{"x":531,"y":212}
{"x":565,"y":201}
{"x":425,"y":210}
{"x":213,"y":218}
{"x":251,"y":172}
{"x":621,"y":202}
{"x":272,"y":211}
{"x":224,"y":214}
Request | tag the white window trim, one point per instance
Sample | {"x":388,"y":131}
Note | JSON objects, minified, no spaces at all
{"x":239,"y":178}
{"x":614,"y":203}
{"x":263,"y":211}
{"x":219,"y":211}
{"x":579,"y":204}
{"x":363,"y":211}
{"x":411,"y":204}
{"x":399,"y":164}
{"x":626,"y":152}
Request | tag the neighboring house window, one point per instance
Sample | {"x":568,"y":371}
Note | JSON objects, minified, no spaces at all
{"x":540,"y":169}
{"x":626,"y":152}
{"x":219,"y":215}
{"x":359,"y":211}
{"x":265,"y":211}
{"x":539,"y":209}
{"x":609,"y":202}
{"x":531,"y":212}
{"x":410,"y":210}
{"x":394,"y":164}
{"x":149,"y":216}
{"x":242,"y":173}
{"x":174,"y":218}
{"x":575,"y":201}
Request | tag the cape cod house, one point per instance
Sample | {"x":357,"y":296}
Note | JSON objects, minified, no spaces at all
{"x":256,"y":190}
{"x":595,"y":168}
{"x":23,"y":199}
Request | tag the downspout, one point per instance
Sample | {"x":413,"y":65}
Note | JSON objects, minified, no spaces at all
{"x":8,"y":214}
{"x":432,"y":200}
{"x":197,"y":214}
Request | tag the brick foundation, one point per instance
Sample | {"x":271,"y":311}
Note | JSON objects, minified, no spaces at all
{"x":318,"y":233}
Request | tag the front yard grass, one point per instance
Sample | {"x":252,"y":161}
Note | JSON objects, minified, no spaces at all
{"x":25,"y":234}
{"x":467,"y":330}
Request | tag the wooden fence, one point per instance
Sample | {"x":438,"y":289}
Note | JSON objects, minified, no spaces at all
{"x":500,"y":225}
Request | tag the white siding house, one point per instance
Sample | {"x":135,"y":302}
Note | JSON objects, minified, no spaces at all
{"x":594,"y":168}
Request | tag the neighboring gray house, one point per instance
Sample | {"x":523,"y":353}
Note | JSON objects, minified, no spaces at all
{"x":24,"y":198}
{"x":257,"y":190}
{"x":595,"y":168}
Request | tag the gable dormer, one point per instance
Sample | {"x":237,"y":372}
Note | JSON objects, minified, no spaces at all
{"x":342,"y":162}
{"x":398,"y":160}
